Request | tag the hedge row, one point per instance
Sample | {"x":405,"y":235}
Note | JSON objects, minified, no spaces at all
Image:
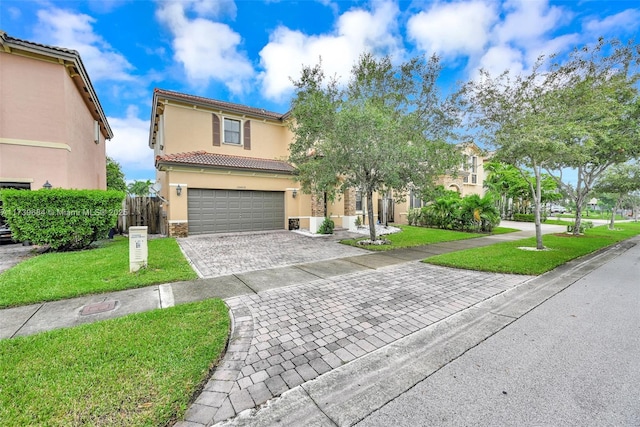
{"x":61,"y":219}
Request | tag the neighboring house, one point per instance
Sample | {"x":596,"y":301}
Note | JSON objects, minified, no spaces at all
{"x":221,"y":167}
{"x":469,"y":180}
{"x":52,"y":127}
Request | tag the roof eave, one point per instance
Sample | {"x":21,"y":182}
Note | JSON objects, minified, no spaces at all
{"x":228,"y":108}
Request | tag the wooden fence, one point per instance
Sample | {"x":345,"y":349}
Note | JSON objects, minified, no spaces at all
{"x":141,"y":211}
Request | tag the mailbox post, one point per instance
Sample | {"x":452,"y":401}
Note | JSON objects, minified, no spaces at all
{"x":138,"y":249}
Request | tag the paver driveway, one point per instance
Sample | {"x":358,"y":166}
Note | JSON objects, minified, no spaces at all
{"x":222,"y":254}
{"x":285,"y":337}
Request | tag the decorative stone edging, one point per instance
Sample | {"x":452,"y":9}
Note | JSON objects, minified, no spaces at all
{"x":214,"y":403}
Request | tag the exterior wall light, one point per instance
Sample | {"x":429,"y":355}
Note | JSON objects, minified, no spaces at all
{"x":178,"y":190}
{"x":295,"y":193}
{"x":47,"y":185}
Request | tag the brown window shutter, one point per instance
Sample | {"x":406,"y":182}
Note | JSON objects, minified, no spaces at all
{"x":216,"y":130}
{"x":247,"y":135}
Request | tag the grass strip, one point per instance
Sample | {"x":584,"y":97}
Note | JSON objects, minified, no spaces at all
{"x":507,"y":257}
{"x":137,"y":370}
{"x":55,"y":276}
{"x":418,"y":236}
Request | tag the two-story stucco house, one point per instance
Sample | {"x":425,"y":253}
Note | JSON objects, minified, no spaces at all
{"x":468,"y":180}
{"x":221,"y":167}
{"x":52,"y":126}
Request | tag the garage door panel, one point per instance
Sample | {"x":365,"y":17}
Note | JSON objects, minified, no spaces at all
{"x":228,"y":211}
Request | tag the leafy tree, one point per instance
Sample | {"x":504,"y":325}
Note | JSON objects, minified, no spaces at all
{"x":386,"y":130}
{"x":139,"y":188}
{"x":510,"y":114}
{"x":619,"y":181}
{"x":115,"y":176}
{"x":597,"y":115}
{"x":581,"y":114}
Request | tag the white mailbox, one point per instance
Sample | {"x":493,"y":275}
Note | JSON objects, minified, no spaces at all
{"x":138,"y":249}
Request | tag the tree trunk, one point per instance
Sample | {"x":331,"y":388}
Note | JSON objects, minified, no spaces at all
{"x":613,"y":213}
{"x":578,"y":222}
{"x":537,"y":197}
{"x":372,"y":224}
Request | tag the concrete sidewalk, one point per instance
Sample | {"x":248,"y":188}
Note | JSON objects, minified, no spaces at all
{"x":35,"y":318}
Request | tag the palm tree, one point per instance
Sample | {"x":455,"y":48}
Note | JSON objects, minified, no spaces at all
{"x":479,"y":212}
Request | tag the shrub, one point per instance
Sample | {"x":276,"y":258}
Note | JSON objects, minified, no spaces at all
{"x":326,"y":227}
{"x":358,"y":222}
{"x":584,"y":225}
{"x":478,"y":213}
{"x":413,"y":215}
{"x":61,"y":219}
{"x":524,"y":217}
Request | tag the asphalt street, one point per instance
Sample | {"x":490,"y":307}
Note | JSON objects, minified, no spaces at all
{"x":572,"y":361}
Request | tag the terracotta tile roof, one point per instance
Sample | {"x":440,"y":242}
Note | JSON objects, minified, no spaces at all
{"x":7,"y":38}
{"x":222,"y":105}
{"x":202,"y":158}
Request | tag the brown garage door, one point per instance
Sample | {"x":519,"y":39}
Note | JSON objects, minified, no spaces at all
{"x":227,"y":211}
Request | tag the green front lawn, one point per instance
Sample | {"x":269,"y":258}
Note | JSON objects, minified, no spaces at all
{"x":55,"y":276}
{"x":508,"y":258}
{"x":138,"y":370}
{"x":418,"y":236}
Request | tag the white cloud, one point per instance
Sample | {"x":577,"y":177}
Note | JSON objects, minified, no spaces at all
{"x":208,"y":50}
{"x":14,"y":13}
{"x":75,"y":31}
{"x":516,"y":42}
{"x":498,"y":59}
{"x":527,"y":21}
{"x":452,"y":29}
{"x":626,"y":21}
{"x":129,"y":145}
{"x":356,"y":31}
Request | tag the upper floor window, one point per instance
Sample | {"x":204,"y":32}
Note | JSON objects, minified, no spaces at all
{"x":358,"y":200}
{"x":415,"y":201}
{"x":232,"y":131}
{"x":471,"y":166}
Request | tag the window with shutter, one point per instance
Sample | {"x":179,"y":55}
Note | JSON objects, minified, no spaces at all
{"x":247,"y":135}
{"x":216,"y":130}
{"x":231,"y":131}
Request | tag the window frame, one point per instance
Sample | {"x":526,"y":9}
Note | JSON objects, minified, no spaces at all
{"x":240,"y":142}
{"x":359,"y":196}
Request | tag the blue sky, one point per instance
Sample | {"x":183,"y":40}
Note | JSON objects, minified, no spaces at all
{"x":245,"y":51}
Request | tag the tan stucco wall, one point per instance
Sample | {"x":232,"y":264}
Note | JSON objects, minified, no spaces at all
{"x":229,"y":180}
{"x":46,"y":130}
{"x":188,"y":129}
{"x":298,"y":207}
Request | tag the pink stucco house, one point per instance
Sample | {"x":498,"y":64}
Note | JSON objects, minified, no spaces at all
{"x":52,"y":126}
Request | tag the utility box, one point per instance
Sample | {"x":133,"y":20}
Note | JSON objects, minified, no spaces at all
{"x":138,"y":249}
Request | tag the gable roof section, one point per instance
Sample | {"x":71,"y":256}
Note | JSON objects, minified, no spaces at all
{"x":218,"y":105}
{"x":212,"y":104}
{"x":204,"y":159}
{"x":72,"y":61}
